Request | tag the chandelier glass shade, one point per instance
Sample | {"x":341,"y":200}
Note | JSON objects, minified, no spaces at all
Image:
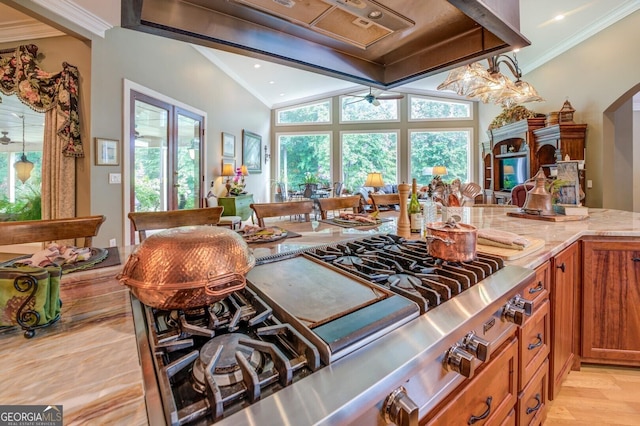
{"x":23,"y":166}
{"x":490,"y":85}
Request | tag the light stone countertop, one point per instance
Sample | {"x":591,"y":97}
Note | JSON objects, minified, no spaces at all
{"x":88,"y":361}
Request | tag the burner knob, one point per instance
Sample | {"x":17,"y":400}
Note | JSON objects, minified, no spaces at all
{"x":400,"y":409}
{"x":523,"y":303}
{"x":459,"y":360}
{"x":513,"y":313}
{"x":476,"y":346}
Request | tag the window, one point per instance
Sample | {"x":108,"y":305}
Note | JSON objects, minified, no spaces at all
{"x":312,"y":113}
{"x":303,"y":158}
{"x":449,"y":148}
{"x":357,"y":109}
{"x":18,"y":200}
{"x":424,"y":108}
{"x":364,"y":152}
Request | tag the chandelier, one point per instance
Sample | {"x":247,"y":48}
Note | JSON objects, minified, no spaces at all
{"x":490,"y":85}
{"x":23,"y":166}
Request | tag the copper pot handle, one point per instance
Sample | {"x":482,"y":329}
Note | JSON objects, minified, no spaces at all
{"x":444,"y":240}
{"x":222,"y":285}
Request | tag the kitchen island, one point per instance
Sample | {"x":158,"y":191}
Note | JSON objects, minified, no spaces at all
{"x":88,"y":362}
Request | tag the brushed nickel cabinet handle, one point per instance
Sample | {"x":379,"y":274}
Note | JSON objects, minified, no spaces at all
{"x":537,"y":288}
{"x":536,"y":344}
{"x":482,"y":416}
{"x":537,"y":407}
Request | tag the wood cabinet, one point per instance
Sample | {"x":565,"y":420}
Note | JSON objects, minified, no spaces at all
{"x":565,"y":319}
{"x":533,"y":351}
{"x":611,"y":300}
{"x":490,"y":397}
{"x":237,"y":206}
{"x":539,"y":145}
{"x":553,"y":143}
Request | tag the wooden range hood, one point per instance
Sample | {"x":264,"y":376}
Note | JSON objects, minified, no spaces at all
{"x":381,"y":43}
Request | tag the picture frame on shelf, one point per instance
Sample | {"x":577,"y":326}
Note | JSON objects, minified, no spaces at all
{"x":228,"y":145}
{"x":107,"y":152}
{"x":569,"y":192}
{"x":252,"y":151}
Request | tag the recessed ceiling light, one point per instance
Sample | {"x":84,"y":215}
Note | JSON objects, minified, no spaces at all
{"x":281,"y":94}
{"x":559,"y":17}
{"x":375,"y":14}
{"x":272,"y":82}
{"x":257,"y":65}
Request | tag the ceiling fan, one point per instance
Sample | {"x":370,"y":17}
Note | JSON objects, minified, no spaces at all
{"x":375,"y":99}
{"x":6,"y":140}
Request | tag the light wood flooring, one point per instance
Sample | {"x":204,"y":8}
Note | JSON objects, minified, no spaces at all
{"x":597,"y":395}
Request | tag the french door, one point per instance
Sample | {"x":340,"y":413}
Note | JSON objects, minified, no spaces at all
{"x":165,"y":156}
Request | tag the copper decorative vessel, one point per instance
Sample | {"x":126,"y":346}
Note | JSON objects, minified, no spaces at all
{"x":187,"y":267}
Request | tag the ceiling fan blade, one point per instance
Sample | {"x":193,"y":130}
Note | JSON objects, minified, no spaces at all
{"x":353,"y":102}
{"x":375,"y":102}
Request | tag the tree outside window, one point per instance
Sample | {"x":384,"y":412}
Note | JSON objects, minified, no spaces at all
{"x":363,"y":153}
{"x":449,"y":148}
{"x":302,"y":156}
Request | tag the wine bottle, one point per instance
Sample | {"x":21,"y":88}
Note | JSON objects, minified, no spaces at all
{"x":415,"y":214}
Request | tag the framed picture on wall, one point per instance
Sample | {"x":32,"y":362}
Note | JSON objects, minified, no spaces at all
{"x":251,"y":151}
{"x":107,"y":153}
{"x":228,"y":145}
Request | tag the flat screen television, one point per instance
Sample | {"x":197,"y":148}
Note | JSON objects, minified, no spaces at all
{"x":512,"y":171}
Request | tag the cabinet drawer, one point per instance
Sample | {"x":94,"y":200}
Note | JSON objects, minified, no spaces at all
{"x":511,"y":419}
{"x":534,"y":343}
{"x":538,"y":290}
{"x":489,"y":397}
{"x":532,"y":402}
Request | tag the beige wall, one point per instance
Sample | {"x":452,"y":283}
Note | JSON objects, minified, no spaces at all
{"x":599,"y":74}
{"x":177,"y":70}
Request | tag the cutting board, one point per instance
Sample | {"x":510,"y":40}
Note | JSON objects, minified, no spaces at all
{"x":554,"y":218}
{"x":509,"y":254}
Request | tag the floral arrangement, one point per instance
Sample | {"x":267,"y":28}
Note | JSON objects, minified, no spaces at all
{"x":511,"y":115}
{"x":238,"y":185}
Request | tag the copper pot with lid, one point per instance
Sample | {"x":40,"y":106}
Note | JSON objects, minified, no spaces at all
{"x":187,"y":267}
{"x":452,"y":241}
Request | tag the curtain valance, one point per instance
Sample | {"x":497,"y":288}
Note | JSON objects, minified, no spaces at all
{"x":44,"y":91}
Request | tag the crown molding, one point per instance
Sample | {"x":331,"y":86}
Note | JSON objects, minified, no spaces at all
{"x":80,"y":16}
{"x":611,"y":18}
{"x":26,"y":30}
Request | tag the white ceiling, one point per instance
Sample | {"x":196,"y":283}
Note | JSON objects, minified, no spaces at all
{"x":277,"y":85}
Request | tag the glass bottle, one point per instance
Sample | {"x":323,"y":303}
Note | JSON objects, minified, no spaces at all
{"x":430,"y":209}
{"x":415,"y":213}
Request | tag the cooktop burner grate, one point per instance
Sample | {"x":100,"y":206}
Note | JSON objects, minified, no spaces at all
{"x":215,"y":360}
{"x":405,"y":267}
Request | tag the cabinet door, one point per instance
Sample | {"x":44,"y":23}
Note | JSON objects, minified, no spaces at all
{"x":565,"y":324}
{"x":611,"y":297}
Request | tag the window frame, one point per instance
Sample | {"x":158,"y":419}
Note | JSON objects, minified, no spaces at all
{"x":377,"y":130}
{"x":470,"y":163}
{"x":277,"y":136}
{"x":277,"y":122}
{"x":341,"y":119}
{"x":412,"y":96}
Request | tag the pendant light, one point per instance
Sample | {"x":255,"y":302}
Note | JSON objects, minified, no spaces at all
{"x":23,"y":166}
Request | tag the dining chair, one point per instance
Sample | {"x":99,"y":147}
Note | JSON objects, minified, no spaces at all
{"x":231,"y":222}
{"x":82,"y":229}
{"x":152,"y":221}
{"x":385,"y":201}
{"x":338,"y":203}
{"x":290,"y":208}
